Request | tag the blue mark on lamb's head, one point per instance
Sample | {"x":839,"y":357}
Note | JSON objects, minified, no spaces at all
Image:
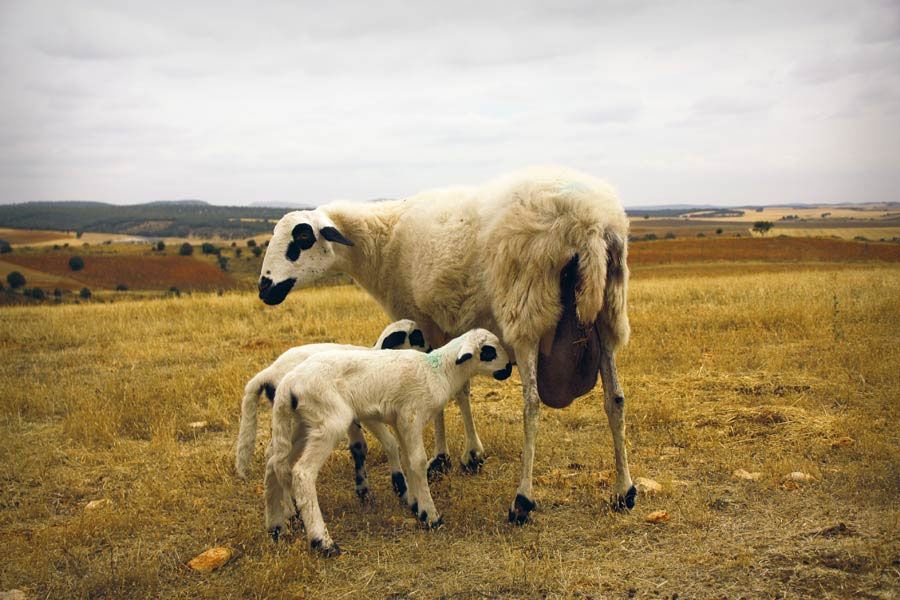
{"x":300,"y":251}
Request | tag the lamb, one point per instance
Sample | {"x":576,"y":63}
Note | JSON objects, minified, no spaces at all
{"x":398,"y":335}
{"x":538,"y":256}
{"x":320,"y":398}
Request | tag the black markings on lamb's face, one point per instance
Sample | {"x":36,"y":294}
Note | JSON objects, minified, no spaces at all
{"x":393,"y":340}
{"x":488,"y":353}
{"x":460,"y":360}
{"x":269,"y":390}
{"x":302,"y":238}
{"x":416,"y":338}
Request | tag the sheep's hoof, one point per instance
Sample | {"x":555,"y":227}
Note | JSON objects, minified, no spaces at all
{"x":438,"y":466}
{"x":365,"y":496}
{"x":275,"y":533}
{"x":399,"y":483}
{"x":474,"y":464}
{"x":326,"y":551}
{"x":436,"y":524}
{"x":521,"y":508}
{"x":414,"y":507}
{"x":624,"y":503}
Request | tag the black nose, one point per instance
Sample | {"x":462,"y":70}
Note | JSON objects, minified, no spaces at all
{"x":264,"y":284}
{"x":503,"y":373}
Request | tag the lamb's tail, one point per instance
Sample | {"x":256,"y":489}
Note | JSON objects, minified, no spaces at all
{"x":247,"y":431}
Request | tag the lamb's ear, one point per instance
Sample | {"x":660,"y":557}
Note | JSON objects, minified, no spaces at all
{"x":333,"y":235}
{"x":466,"y":351}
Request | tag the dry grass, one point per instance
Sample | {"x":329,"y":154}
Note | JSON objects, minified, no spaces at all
{"x":764,"y":372}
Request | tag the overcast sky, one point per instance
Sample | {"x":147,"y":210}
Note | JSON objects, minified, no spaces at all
{"x":234,"y":103}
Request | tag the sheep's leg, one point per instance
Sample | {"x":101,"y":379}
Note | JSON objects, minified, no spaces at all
{"x":412,"y":447}
{"x":523,"y":504}
{"x":298,"y":442}
{"x":614,"y":403}
{"x":319,"y":445}
{"x":440,"y":464}
{"x":411,"y":499}
{"x":279,"y":501}
{"x":392,"y":451}
{"x":359,"y":450}
{"x":473,"y":458}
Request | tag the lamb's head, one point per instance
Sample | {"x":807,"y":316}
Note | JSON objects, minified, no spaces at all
{"x":491,"y":357}
{"x":301,"y":251}
{"x":402,"y":335}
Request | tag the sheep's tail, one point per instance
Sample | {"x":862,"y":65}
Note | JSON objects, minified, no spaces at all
{"x":247,"y":431}
{"x":593,"y":287}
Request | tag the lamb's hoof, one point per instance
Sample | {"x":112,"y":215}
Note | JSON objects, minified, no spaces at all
{"x":474,"y":464}
{"x":365,"y":496}
{"x":438,"y":466}
{"x":428,"y":522}
{"x":326,"y":551}
{"x":624,"y":503}
{"x":436,"y":524}
{"x":275,"y":533}
{"x":414,"y":507}
{"x":521,"y":508}
{"x":398,"y":481}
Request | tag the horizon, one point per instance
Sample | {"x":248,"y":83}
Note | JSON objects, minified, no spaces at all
{"x":714,"y":103}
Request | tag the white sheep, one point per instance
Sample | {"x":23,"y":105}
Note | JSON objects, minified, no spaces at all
{"x":320,"y":398}
{"x":401,"y":334}
{"x":538,"y":256}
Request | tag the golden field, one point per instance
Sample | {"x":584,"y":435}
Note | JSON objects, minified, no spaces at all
{"x":768,"y":368}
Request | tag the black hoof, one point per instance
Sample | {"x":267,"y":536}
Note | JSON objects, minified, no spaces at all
{"x":437,"y":524}
{"x":520,"y":510}
{"x":326,"y":551}
{"x":399,"y":483}
{"x":414,"y":507}
{"x":438,"y":466}
{"x":275,"y":533}
{"x":365,"y":497}
{"x":474,"y":464}
{"x":626,"y":502}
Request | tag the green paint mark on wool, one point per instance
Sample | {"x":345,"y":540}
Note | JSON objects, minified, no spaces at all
{"x":433,"y":359}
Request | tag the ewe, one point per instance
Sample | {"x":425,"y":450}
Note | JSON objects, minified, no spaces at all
{"x":319,"y":399}
{"x":400,"y":335}
{"x":538,"y":256}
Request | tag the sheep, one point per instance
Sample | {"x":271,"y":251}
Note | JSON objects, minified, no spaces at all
{"x":320,"y":398}
{"x":398,"y":335}
{"x":538,"y":256}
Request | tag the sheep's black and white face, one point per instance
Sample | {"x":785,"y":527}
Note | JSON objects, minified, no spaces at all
{"x":402,"y":335}
{"x":300,"y":252}
{"x":485,"y":349}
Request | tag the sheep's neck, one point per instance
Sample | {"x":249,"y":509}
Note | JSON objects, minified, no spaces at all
{"x":443,"y":360}
{"x":369,"y":226}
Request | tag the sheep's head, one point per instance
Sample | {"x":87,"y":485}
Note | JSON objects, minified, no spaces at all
{"x":402,"y":335}
{"x":491,"y":357}
{"x":301,"y":251}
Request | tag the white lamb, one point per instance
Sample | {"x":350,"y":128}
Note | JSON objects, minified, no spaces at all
{"x":538,"y":256}
{"x":319,"y":399}
{"x":403,"y":334}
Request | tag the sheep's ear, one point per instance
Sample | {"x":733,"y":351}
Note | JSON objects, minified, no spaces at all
{"x":333,"y":235}
{"x":394,"y":339}
{"x":465,"y":352}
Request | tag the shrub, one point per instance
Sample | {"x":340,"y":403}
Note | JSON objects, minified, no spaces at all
{"x":251,"y":243}
{"x":237,"y":252}
{"x":85,"y":293}
{"x":763,"y":227}
{"x":234,"y":244}
{"x":650,"y":237}
{"x":208,"y":248}
{"x":174,"y":291}
{"x":15,"y":280}
{"x":121,"y":287}
{"x":38,"y":293}
{"x":257,"y":250}
{"x":223,"y":263}
{"x":57,"y":293}
{"x":670,"y":235}
{"x":160,"y":246}
{"x":719,"y":231}
{"x":76,"y":263}
{"x":5,"y":247}
{"x":186,"y":249}
{"x":701,"y":234}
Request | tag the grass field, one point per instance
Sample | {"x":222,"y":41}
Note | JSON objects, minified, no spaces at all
{"x":768,"y":368}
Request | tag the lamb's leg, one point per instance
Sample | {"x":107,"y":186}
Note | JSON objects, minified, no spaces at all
{"x":614,"y":403}
{"x":523,"y":504}
{"x":279,"y":501}
{"x":358,"y":450}
{"x":440,"y":464}
{"x":319,"y":445}
{"x":392,"y":451}
{"x":473,"y":458}
{"x":412,"y":447}
{"x":247,"y":431}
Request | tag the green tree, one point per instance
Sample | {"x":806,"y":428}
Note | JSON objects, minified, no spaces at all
{"x":15,"y":280}
{"x":763,"y":227}
{"x":160,"y":246}
{"x":85,"y":293}
{"x":186,"y":249}
{"x":76,"y":263}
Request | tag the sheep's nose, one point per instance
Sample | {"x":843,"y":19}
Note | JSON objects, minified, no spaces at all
{"x":264,"y":284}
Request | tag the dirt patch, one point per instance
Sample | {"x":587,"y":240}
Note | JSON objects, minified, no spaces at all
{"x":756,"y":249}
{"x":136,"y":272}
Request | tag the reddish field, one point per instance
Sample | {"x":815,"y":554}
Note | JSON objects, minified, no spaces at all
{"x":137,"y":272}
{"x":758,"y":249}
